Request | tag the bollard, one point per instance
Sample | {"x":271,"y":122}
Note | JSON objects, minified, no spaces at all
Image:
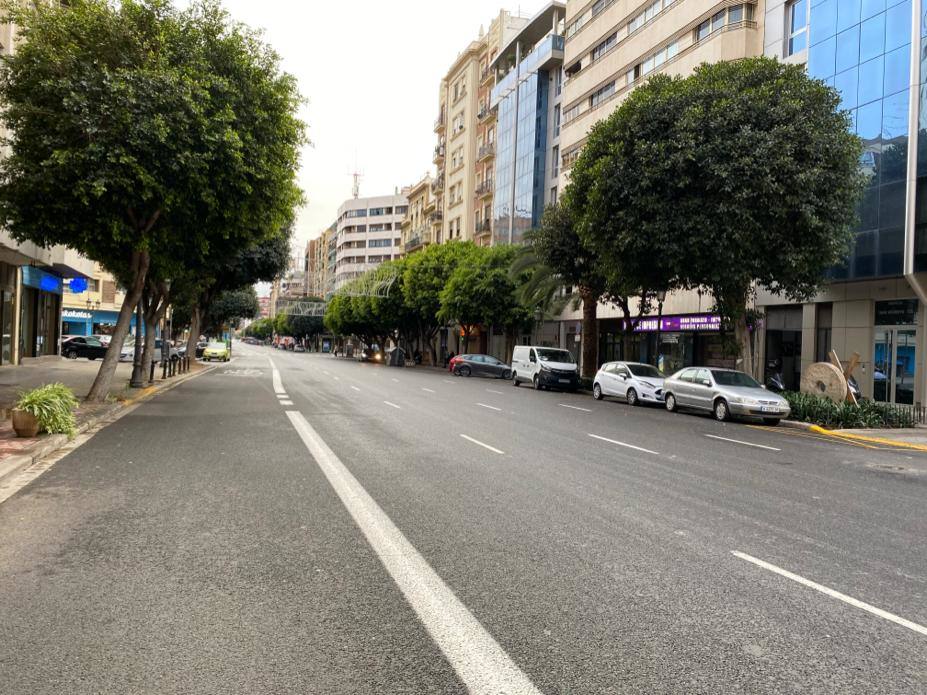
{"x":163,"y":370}
{"x":171,"y":368}
{"x":151,"y":375}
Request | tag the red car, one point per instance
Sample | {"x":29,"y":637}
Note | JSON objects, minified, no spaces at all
{"x":455,"y":360}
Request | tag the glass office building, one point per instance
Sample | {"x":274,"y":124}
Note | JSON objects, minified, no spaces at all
{"x":863,"y":49}
{"x":521,"y":152}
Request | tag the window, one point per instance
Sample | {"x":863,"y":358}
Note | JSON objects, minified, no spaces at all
{"x":604,"y":47}
{"x":402,"y":209}
{"x":557,"y":120}
{"x":601,"y":94}
{"x":558,"y":82}
{"x":553,"y":195}
{"x":732,"y":15}
{"x":356,"y":213}
{"x":796,"y":26}
{"x":377,"y":212}
{"x":379,"y":243}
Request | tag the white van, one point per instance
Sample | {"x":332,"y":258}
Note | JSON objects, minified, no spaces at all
{"x":544,"y":368}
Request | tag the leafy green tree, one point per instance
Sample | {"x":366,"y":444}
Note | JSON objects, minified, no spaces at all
{"x":140,"y":129}
{"x":425,"y":276}
{"x":231,"y":307}
{"x":744,"y":174}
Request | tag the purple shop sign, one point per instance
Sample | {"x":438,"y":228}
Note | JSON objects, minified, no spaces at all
{"x":695,"y":322}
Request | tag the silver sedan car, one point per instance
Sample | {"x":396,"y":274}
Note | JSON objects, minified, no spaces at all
{"x":725,"y":393}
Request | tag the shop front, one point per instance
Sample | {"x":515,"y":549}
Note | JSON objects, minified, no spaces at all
{"x":670,"y":342}
{"x":91,"y":322}
{"x":40,"y":312}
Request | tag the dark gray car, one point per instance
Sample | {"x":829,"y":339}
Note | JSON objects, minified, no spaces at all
{"x":481,"y":365}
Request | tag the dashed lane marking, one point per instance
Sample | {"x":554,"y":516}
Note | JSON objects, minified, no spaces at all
{"x":392,"y":405}
{"x":574,"y":407}
{"x":737,"y":441}
{"x":483,"y":444}
{"x":490,"y":407}
{"x":427,"y":390}
{"x":624,"y":444}
{"x":355,"y":388}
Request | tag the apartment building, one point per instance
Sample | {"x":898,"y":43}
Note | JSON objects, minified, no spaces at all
{"x":91,"y":305}
{"x":465,"y":128}
{"x":527,"y":98}
{"x":874,"y":304}
{"x":368,"y":232}
{"x":316,"y":265}
{"x":420,"y":226}
{"x":32,"y":282}
{"x":610,"y":47}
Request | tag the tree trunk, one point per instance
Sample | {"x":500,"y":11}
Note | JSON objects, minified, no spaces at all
{"x":744,"y":344}
{"x":194,"y":337}
{"x":590,"y":361}
{"x":151,"y":325}
{"x":100,"y":389}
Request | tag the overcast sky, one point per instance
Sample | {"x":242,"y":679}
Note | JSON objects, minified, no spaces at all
{"x":370,"y":72}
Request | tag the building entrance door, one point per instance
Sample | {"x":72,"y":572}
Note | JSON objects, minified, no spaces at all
{"x":894,"y":365}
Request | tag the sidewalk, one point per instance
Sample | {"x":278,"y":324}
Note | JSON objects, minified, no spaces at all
{"x":18,"y":453}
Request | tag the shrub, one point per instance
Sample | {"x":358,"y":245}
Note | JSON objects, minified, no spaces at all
{"x":53,"y":405}
{"x":808,"y":407}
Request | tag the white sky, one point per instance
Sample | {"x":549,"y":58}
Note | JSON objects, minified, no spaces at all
{"x":370,"y":71}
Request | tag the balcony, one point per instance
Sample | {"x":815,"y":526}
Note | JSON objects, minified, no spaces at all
{"x":485,"y":188}
{"x":439,"y":154}
{"x":485,"y":112}
{"x":486,"y":151}
{"x":418,"y":241}
{"x":483,"y":227}
{"x":436,"y":216}
{"x":441,"y":123}
{"x":486,"y":76}
{"x":437,"y":184}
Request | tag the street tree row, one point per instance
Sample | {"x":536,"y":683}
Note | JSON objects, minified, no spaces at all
{"x":162,"y":143}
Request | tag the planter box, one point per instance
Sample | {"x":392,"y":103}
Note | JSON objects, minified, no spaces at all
{"x":26,"y":424}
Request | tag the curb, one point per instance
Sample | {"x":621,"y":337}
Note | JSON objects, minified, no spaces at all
{"x":796,"y":425}
{"x":52,"y":442}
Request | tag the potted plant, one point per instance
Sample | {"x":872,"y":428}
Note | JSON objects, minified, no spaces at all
{"x":49,"y":408}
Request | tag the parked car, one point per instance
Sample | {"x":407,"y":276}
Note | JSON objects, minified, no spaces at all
{"x":105,"y":339}
{"x":216,"y":351}
{"x":200,"y":347}
{"x":83,"y":346}
{"x":635,"y":382}
{"x":174,"y":352}
{"x":544,"y":368}
{"x":127,"y":354}
{"x":480,"y":365}
{"x":725,"y":393}
{"x":299,"y":348}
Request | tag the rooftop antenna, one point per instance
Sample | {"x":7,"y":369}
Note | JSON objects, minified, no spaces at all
{"x":357,"y":175}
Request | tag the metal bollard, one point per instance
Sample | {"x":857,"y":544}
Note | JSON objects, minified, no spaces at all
{"x":163,"y":370}
{"x":151,"y":375}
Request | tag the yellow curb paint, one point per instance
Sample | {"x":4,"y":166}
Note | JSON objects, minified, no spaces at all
{"x":871,"y":440}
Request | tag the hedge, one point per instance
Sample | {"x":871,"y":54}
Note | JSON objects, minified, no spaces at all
{"x":807,"y":407}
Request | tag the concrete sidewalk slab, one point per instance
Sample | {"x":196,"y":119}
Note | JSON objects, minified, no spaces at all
{"x":78,"y":375}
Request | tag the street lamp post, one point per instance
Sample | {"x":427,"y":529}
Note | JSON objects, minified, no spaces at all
{"x":661,"y":297}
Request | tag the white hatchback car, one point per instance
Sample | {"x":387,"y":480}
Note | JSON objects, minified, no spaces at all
{"x":635,"y":382}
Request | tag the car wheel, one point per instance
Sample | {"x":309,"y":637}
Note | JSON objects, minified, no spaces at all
{"x":632,"y":397}
{"x":465,"y":371}
{"x":670,"y":402}
{"x":771,"y":421}
{"x":515,"y":381}
{"x":506,"y":375}
{"x":72,"y":355}
{"x":537,"y":383}
{"x":597,"y":392}
{"x":722,"y":413}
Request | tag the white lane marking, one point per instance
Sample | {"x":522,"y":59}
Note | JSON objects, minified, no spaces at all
{"x":355,"y":388}
{"x":627,"y":446}
{"x":496,"y":392}
{"x":479,"y":661}
{"x":337,"y":378}
{"x":275,"y":373}
{"x":396,"y":380}
{"x":447,"y":381}
{"x":830,"y":592}
{"x":574,"y":407}
{"x":428,"y":390}
{"x":491,"y":407}
{"x":286,"y":402}
{"x":737,"y":441}
{"x":326,"y":373}
{"x":485,"y":446}
{"x":282,"y":395}
{"x":392,"y":405}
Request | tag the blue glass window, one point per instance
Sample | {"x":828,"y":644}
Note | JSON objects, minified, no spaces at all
{"x":897,"y":68}
{"x":871,"y":8}
{"x":822,"y":58}
{"x":895,"y":138}
{"x":846,"y":84}
{"x":869,"y":123}
{"x":870,"y":80}
{"x":847,"y":14}
{"x":823,"y":20}
{"x":848,"y":49}
{"x":898,"y":26}
{"x":872,"y":38}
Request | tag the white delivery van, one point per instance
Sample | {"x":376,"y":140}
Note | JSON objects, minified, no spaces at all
{"x":544,"y":368}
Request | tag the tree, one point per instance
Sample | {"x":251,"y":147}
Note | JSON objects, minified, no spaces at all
{"x":231,"y":308}
{"x":425,"y":277}
{"x":139,"y":129}
{"x":744,"y":174}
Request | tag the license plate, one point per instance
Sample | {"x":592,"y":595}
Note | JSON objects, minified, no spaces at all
{"x":770,"y":409}
{"x":564,"y":381}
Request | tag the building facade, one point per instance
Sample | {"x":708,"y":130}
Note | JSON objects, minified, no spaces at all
{"x":874,"y":303}
{"x":91,"y":305}
{"x":420,"y":228}
{"x":527,"y":98}
{"x":368,"y":232}
{"x":465,"y":129}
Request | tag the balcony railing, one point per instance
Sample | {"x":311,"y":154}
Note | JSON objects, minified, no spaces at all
{"x":484,"y":112}
{"x":420,"y":239}
{"x":436,"y":216}
{"x":440,"y":123}
{"x":484,"y":188}
{"x":487,"y":151}
{"x":439,"y":153}
{"x":486,"y":76}
{"x":483,"y":226}
{"x":437,"y":184}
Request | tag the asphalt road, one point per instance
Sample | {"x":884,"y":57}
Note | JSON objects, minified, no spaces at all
{"x":339,"y":527}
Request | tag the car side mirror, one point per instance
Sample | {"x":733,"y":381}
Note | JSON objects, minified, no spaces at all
{"x":763,"y":386}
{"x":706,"y":382}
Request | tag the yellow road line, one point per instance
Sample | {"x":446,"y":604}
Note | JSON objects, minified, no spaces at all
{"x":872,"y":440}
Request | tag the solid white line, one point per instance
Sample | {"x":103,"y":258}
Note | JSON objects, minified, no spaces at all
{"x":574,"y":407}
{"x":737,"y":441}
{"x":496,"y":392}
{"x":491,"y":407}
{"x":479,"y":661}
{"x":286,"y":402}
{"x":628,"y":446}
{"x":830,"y":592}
{"x":428,"y":390}
{"x":355,"y":388}
{"x":485,"y":446}
{"x":392,"y":405}
{"x":282,"y":395}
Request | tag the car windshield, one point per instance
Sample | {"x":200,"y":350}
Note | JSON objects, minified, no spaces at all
{"x":735,"y":379}
{"x":551,"y":355}
{"x":216,"y":346}
{"x":646,"y":371}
